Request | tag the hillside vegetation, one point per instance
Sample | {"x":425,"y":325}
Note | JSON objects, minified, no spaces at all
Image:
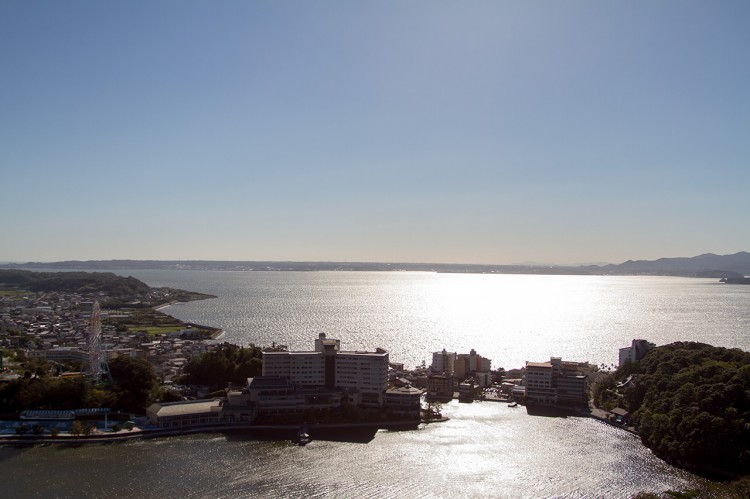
{"x":691,"y":402}
{"x":73,"y":282}
{"x":121,"y":291}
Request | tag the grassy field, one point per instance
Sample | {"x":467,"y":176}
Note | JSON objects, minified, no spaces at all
{"x":167,"y":328}
{"x":155,"y":330}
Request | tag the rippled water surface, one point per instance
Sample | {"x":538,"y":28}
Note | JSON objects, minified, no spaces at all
{"x":486,"y":450}
{"x":508,"y":318}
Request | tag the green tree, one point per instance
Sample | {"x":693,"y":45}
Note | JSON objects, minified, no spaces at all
{"x":227,"y":363}
{"x":692,"y":405}
{"x":76,"y":428}
{"x":133,"y":380}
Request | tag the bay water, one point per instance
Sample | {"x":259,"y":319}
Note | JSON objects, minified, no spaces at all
{"x":487,"y":449}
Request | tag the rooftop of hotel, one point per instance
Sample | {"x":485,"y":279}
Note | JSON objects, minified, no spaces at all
{"x":405,"y":390}
{"x":378,"y":351}
{"x":538,"y":364}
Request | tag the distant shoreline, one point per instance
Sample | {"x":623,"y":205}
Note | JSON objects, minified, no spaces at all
{"x":703,"y":266}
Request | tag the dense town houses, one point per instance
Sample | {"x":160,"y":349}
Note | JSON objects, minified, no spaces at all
{"x":451,"y":372}
{"x":53,"y":327}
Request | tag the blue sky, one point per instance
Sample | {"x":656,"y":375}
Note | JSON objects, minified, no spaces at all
{"x":414,"y":131}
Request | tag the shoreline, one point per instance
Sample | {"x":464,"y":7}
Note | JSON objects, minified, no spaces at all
{"x":142,"y":434}
{"x":216,"y":333}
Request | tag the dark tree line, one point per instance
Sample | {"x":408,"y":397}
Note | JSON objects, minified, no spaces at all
{"x":74,"y":282}
{"x":227,"y":363}
{"x":133,"y":387}
{"x":691,"y":402}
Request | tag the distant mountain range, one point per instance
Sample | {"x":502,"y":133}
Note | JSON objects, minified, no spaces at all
{"x":706,"y":265}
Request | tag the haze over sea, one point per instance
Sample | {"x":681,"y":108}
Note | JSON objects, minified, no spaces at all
{"x":487,"y":449}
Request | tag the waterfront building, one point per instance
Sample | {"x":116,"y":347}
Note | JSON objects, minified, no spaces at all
{"x":474,"y":366}
{"x":518,"y":392}
{"x":440,"y":386}
{"x":443,"y":362}
{"x":363,"y":374}
{"x":300,"y":368}
{"x":635,"y":352}
{"x":466,"y":390}
{"x":483,"y":379}
{"x":404,"y":401}
{"x":539,"y":384}
{"x":275,"y":395}
{"x":477,"y":363}
{"x":556,"y":382}
{"x":186,"y":414}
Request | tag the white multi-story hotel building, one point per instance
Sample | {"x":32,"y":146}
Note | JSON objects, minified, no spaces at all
{"x":360,"y":373}
{"x":556,"y":382}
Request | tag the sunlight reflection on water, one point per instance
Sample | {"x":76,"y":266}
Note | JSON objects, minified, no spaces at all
{"x":487,"y":449}
{"x":508,"y":318}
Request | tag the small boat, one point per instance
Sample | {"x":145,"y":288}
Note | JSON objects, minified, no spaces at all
{"x":513,"y":404}
{"x":303,"y":435}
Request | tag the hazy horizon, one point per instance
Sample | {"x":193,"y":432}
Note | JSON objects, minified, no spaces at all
{"x":511,"y":264}
{"x":539,"y":264}
{"x":488,"y":133}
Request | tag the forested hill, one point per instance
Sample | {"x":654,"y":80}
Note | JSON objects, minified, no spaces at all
{"x":73,"y":282}
{"x":692,"y":404}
